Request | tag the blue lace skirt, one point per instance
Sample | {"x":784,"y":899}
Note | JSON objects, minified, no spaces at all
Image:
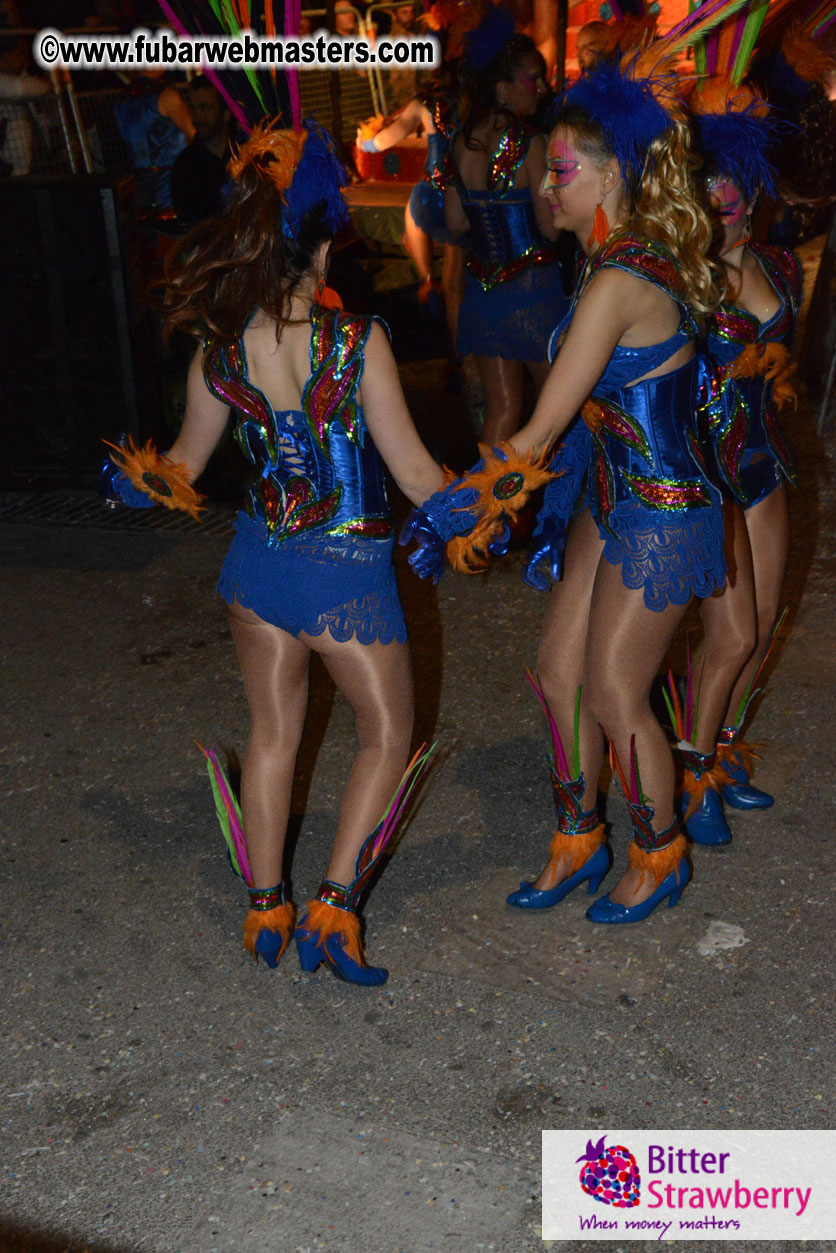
{"x":671,"y":555}
{"x":341,"y":584}
{"x":515,"y":319}
{"x":426,"y":205}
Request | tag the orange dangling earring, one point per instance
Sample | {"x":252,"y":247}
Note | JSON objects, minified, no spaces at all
{"x":326,"y":296}
{"x":600,"y":226}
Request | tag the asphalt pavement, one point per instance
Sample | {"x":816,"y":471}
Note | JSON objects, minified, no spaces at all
{"x":162,"y":1094}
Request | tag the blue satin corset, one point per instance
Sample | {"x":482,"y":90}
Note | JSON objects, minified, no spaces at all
{"x":323,"y":476}
{"x":501,"y":230}
{"x":646,"y":446}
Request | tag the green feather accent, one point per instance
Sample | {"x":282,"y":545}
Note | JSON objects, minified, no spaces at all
{"x":576,"y":747}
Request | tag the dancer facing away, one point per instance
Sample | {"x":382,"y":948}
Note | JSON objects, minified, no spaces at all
{"x":319,"y":408}
{"x":746,"y":340}
{"x":649,"y":532}
{"x":513,"y":293}
{"x":432,"y":110}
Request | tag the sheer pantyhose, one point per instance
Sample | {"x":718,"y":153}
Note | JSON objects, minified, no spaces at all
{"x":728,"y":619}
{"x":376,"y":679}
{"x":503,"y":382}
{"x":601,"y":634}
{"x":419,"y":247}
{"x":768,"y":534}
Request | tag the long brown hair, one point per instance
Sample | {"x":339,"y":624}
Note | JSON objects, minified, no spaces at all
{"x":237,"y":262}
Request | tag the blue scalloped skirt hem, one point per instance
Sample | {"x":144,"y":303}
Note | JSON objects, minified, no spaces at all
{"x":311,"y":584}
{"x":515,"y":319}
{"x":672,"y":556}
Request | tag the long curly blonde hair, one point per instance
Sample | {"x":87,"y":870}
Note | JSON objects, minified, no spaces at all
{"x":664,"y":203}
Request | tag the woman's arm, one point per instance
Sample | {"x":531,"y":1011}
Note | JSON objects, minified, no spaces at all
{"x":455,"y":218}
{"x":390,"y":423}
{"x":605,"y":311}
{"x":535,"y":167}
{"x":408,"y":120}
{"x":204,"y":423}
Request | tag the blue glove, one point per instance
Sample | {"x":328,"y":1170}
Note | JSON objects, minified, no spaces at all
{"x":428,"y":559}
{"x":441,"y":517}
{"x":116,"y":489}
{"x":549,"y":546}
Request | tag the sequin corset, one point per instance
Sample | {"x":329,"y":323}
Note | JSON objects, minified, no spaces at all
{"x":644,"y":437}
{"x":319,"y":468}
{"x":741,"y":413}
{"x":504,"y":236}
{"x":645,"y":446}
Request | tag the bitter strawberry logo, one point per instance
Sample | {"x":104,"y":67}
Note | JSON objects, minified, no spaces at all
{"x":610,"y":1174}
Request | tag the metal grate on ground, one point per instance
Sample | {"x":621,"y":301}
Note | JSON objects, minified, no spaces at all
{"x":76,"y":509}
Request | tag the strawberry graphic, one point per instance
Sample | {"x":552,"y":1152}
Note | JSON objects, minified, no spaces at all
{"x":610,"y":1174}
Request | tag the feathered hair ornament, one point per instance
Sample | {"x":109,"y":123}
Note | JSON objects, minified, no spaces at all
{"x":735,"y":133}
{"x":487,"y":40}
{"x":633,"y":99}
{"x":629,"y":101}
{"x":274,"y":150}
{"x":304,"y":168}
{"x":734,"y":128}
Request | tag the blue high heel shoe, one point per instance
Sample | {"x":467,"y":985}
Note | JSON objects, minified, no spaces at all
{"x":606,"y":911}
{"x":737,"y":759}
{"x":269,"y":924}
{"x":329,"y":934}
{"x":707,"y":823}
{"x":593,"y":869}
{"x":702,"y":807}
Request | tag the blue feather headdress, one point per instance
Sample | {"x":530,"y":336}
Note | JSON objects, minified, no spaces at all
{"x":488,"y":39}
{"x":302,"y":165}
{"x":629,"y":107}
{"x":319,"y":176}
{"x":737,"y":143}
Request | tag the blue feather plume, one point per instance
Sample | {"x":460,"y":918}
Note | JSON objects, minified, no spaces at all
{"x":737,"y":144}
{"x":488,"y":39}
{"x":319,"y":176}
{"x":625,"y":108}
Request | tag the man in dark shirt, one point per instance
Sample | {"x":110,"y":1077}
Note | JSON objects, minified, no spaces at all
{"x":199,"y":180}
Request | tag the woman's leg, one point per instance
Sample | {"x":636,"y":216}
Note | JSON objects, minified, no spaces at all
{"x":376,"y":679}
{"x":767,"y":525}
{"x":274,"y":666}
{"x":419,"y":248}
{"x":503,"y":383}
{"x":626,"y":644}
{"x":728,"y":619}
{"x":452,"y":286}
{"x":560,"y":665}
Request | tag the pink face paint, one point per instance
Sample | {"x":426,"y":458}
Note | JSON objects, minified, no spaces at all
{"x":727,"y":200}
{"x":564,"y":166}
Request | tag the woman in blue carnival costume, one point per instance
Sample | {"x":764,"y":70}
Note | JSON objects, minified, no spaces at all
{"x":747,"y":341}
{"x":319,"y":409}
{"x":513,"y":291}
{"x":432,"y":110}
{"x":648,"y":534}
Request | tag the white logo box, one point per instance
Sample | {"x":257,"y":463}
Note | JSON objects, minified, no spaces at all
{"x":692,"y":1185}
